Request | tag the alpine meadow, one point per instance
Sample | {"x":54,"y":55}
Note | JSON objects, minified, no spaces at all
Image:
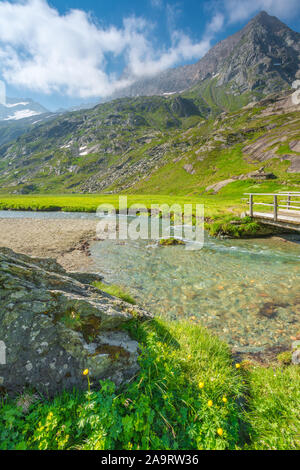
{"x":149,"y":227}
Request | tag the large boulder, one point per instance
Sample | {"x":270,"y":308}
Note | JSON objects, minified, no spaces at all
{"x":55,"y":324}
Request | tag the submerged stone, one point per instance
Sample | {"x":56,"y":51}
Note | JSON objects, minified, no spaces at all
{"x":171,"y":242}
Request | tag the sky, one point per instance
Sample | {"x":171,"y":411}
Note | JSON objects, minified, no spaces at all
{"x":64,"y":53}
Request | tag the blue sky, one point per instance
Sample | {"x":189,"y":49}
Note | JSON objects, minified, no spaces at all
{"x":63,"y":53}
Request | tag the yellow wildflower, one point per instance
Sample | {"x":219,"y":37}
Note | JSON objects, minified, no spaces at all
{"x":201,"y":384}
{"x":85,"y":372}
{"x":238,"y":366}
{"x":220,"y":431}
{"x":210,"y":403}
{"x":224,"y":399}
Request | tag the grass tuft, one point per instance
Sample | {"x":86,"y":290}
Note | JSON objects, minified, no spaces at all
{"x":116,"y":291}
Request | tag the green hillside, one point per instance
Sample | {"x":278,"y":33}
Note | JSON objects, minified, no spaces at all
{"x":221,"y":149}
{"x":220,"y":98}
{"x":177,"y":145}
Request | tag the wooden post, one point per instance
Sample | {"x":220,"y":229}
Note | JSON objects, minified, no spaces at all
{"x":275,"y":208}
{"x":288,"y":202}
{"x":251,"y":205}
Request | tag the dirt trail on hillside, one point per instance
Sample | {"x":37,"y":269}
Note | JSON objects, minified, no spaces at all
{"x":65,"y":240}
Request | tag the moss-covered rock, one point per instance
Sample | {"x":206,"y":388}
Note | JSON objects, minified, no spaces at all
{"x":54,"y":325}
{"x":285,"y":358}
{"x":236,"y":227}
{"x":170,"y":242}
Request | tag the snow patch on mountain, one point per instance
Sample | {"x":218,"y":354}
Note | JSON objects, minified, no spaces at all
{"x":21,"y":115}
{"x":14,"y":109}
{"x":24,"y":103}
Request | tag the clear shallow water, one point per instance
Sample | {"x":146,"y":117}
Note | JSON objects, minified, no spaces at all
{"x":46,"y":215}
{"x":247,"y":291}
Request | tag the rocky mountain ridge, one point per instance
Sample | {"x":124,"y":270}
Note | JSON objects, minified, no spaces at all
{"x":151,"y":144}
{"x":264,"y":56}
{"x":180,"y":142}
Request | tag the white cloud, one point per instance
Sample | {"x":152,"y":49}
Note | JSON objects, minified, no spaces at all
{"x":46,"y":52}
{"x":173,"y":12}
{"x":216,"y":24}
{"x":239,"y":10}
{"x":157,"y":4}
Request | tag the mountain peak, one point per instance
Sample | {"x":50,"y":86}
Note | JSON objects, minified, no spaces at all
{"x":262,"y":57}
{"x":263,"y":18}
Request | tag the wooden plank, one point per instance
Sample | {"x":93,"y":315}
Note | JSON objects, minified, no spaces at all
{"x":282,"y":218}
{"x":274,"y":194}
{"x":289,"y":212}
{"x":251,"y":205}
{"x":263,"y":204}
{"x":280,"y":224}
{"x":275,"y":208}
{"x":289,"y":207}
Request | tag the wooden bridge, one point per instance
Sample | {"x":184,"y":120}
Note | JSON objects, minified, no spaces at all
{"x":281,"y":209}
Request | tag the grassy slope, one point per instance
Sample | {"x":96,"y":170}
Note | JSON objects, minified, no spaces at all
{"x":188,"y":395}
{"x":219,"y":98}
{"x":42,"y":158}
{"x":217,"y":164}
{"x":142,"y":145}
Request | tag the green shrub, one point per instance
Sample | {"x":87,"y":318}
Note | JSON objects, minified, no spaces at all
{"x":236,"y":227}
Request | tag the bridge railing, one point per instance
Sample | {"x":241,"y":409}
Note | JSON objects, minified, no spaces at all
{"x":286,"y":202}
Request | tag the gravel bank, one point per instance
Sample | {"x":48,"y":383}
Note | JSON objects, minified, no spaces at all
{"x":65,"y":240}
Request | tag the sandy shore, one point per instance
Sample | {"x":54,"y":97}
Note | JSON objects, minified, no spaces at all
{"x":65,"y":240}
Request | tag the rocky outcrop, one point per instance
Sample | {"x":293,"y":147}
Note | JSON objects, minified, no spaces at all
{"x":216,"y":187}
{"x":260,"y":175}
{"x":189,"y":168}
{"x":257,"y":175}
{"x":55,"y":324}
